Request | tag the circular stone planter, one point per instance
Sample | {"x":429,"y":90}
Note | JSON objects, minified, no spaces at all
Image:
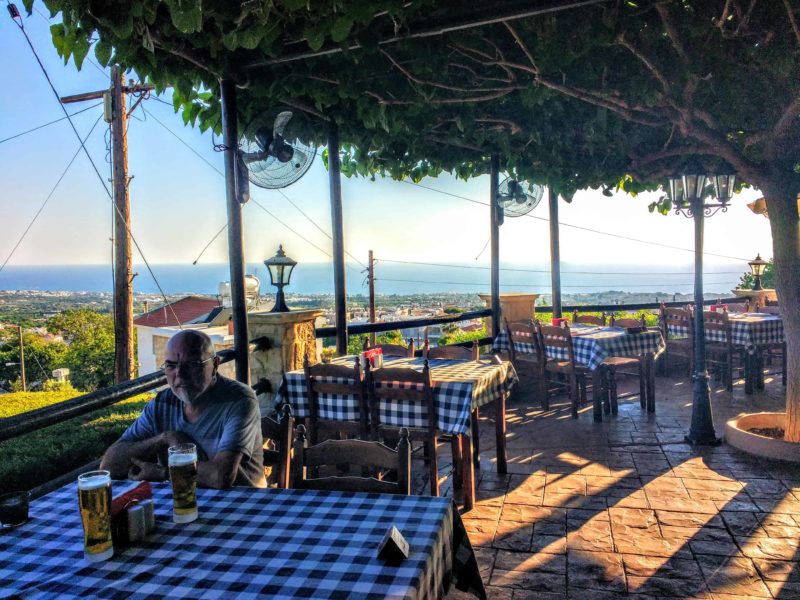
{"x":738,"y":436}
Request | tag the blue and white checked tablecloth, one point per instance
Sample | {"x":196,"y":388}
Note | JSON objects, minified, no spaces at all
{"x":593,"y":345}
{"x":750,"y":330}
{"x":458,"y":387}
{"x":246,"y":543}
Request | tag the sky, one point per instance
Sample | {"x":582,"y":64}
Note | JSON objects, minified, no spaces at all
{"x":178,"y":200}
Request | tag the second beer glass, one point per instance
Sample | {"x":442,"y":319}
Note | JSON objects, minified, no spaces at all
{"x":94,"y":500}
{"x":183,"y":475}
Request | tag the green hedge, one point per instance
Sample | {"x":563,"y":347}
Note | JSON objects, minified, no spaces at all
{"x":39,"y":456}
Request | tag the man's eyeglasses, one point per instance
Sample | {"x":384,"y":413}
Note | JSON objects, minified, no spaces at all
{"x":192,"y":365}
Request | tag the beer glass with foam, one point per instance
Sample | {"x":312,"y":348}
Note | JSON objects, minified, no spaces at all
{"x":183,"y":475}
{"x":94,"y":500}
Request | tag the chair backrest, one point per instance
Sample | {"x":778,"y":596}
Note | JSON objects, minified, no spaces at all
{"x":393,"y":349}
{"x":588,"y":319}
{"x":768,"y":302}
{"x":280,"y":432}
{"x":718,"y":322}
{"x":523,"y":333}
{"x":407,"y":385}
{"x":369,"y":455}
{"x":680,"y":318}
{"x":771,"y":309}
{"x":738,"y":307}
{"x":349,"y":382}
{"x":557,"y":337}
{"x":628,"y":322}
{"x":451,"y":352}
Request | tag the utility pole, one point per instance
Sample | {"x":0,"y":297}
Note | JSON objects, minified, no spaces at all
{"x":371,"y":279}
{"x":116,"y":113}
{"x":22,"y":360}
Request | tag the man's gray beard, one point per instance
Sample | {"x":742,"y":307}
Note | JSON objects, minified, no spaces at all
{"x":183,"y":395}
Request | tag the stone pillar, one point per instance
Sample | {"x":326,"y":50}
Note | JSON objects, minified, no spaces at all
{"x":291,"y":335}
{"x":760,"y":296}
{"x":513,"y":306}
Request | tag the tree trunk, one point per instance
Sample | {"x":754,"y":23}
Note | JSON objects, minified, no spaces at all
{"x":781,"y":196}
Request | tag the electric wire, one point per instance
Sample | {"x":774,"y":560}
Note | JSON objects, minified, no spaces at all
{"x":259,"y":205}
{"x":47,"y":199}
{"x":77,"y":112}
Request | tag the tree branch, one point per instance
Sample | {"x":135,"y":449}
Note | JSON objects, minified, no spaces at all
{"x":792,"y":20}
{"x":185,"y":55}
{"x":645,"y":61}
{"x":435,"y":101}
{"x":787,"y":119}
{"x":671,"y":30}
{"x":522,"y":45}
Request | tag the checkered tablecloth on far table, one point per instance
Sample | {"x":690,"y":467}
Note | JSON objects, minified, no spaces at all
{"x":458,"y":387}
{"x":592,"y":345}
{"x":246,"y":543}
{"x":750,"y":330}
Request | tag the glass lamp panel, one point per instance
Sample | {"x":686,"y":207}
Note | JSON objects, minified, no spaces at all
{"x":676,"y":190}
{"x":723,"y":186}
{"x":275,"y":272}
{"x":286,"y":273}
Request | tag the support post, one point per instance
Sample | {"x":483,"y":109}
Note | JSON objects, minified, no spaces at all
{"x":701,"y":430}
{"x":123,"y":261}
{"x":494,"y":239}
{"x":22,"y":361}
{"x":555,"y":254}
{"x":235,"y":248}
{"x":337,"y":226}
{"x":371,"y":279}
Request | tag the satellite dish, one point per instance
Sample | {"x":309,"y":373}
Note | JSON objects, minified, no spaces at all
{"x":516,"y":198}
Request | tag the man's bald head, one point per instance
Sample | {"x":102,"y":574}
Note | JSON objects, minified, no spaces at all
{"x":190,"y":364}
{"x":192,"y":341}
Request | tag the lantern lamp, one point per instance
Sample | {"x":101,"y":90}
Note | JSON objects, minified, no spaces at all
{"x":757,"y":267}
{"x":280,"y":269}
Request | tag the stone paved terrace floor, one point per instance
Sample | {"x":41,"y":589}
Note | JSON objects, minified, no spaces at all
{"x":626,"y":509}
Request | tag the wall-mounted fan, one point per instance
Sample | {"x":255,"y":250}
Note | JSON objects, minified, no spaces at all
{"x":516,"y":198}
{"x":272,"y":153}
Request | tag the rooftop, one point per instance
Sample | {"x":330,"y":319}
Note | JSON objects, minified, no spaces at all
{"x":183,"y":311}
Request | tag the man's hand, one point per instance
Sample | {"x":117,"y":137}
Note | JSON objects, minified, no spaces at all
{"x":146,"y":471}
{"x":174,"y":438}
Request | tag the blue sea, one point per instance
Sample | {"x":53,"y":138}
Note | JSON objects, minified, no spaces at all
{"x":391,"y":278}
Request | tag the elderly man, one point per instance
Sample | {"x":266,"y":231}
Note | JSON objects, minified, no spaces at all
{"x":219,"y":415}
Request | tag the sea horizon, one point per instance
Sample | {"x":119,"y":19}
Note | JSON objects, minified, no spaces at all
{"x":390,"y":278}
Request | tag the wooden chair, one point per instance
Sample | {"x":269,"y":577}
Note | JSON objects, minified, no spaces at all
{"x":407,"y":386}
{"x":451,"y":352}
{"x":677,"y":345}
{"x":278,"y":433}
{"x":526,"y":362}
{"x":627,"y":322}
{"x":589,"y":319}
{"x":393,"y":349}
{"x":721,"y":354}
{"x":369,"y":455}
{"x":349,"y":382}
{"x":575,"y":373}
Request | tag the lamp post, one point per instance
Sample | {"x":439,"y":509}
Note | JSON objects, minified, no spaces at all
{"x":280,"y":269}
{"x":687,"y":192}
{"x":757,"y":267}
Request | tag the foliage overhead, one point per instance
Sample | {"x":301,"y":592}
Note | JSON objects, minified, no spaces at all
{"x":581,"y":97}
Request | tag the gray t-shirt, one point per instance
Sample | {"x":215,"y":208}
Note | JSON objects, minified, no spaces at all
{"x":231,"y":421}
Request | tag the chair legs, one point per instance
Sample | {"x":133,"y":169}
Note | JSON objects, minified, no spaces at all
{"x":434,"y":467}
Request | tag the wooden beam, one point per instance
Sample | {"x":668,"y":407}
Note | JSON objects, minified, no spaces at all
{"x":337,"y":226}
{"x":235,"y":248}
{"x":494,"y":238}
{"x":555,"y":254}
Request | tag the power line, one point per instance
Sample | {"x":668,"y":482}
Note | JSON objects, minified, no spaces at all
{"x":579,"y":227}
{"x":50,"y":195}
{"x":259,"y":205}
{"x":13,"y":137}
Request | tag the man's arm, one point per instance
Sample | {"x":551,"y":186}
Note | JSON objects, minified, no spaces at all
{"x":119,"y":458}
{"x":219,"y":472}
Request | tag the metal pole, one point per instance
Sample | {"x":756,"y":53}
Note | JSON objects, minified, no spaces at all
{"x":371,"y":278}
{"x":337,"y":226}
{"x":555,"y":255}
{"x":494,"y":237}
{"x":22,"y":360}
{"x":123,"y":261}
{"x":702,"y":427}
{"x":235,"y":249}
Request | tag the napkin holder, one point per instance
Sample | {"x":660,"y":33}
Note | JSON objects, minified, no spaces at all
{"x":132,"y":515}
{"x":635,"y":329}
{"x":393,"y":548}
{"x":373,"y":356}
{"x":559,"y":322}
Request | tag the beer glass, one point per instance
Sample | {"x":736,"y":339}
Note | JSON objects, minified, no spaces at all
{"x":94,"y":499}
{"x":183,"y":475}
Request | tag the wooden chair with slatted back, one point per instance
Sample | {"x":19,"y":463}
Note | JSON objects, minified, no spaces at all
{"x":679,"y":345}
{"x":575,"y":373}
{"x":279,"y":434}
{"x":589,"y":319}
{"x":369,"y":455}
{"x":451,"y":352}
{"x":738,"y":307}
{"x":393,"y":349}
{"x":627,"y":322}
{"x":387,"y":385}
{"x":349,"y":382}
{"x":722,"y":354}
{"x":523,"y":335}
{"x":633,"y":366}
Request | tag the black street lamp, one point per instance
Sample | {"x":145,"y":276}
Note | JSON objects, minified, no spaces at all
{"x":687,"y":192}
{"x":757,"y":268}
{"x":280,"y":269}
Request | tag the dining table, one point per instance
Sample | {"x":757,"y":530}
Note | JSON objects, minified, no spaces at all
{"x":247,"y":542}
{"x":459,"y":388}
{"x":593,"y":344}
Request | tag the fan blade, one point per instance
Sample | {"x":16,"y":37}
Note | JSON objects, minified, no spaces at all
{"x":264,"y":138}
{"x":281,"y":121}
